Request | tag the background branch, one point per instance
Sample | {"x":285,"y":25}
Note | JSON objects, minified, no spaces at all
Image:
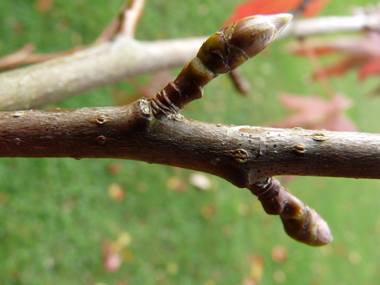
{"x":132,"y":17}
{"x":109,"y":62}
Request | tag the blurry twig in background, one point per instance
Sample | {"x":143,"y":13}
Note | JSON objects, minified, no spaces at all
{"x":131,"y":18}
{"x":126,"y":57}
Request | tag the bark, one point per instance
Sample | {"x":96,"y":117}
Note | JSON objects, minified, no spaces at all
{"x":331,"y":24}
{"x":109,"y":62}
{"x":242,"y":155}
{"x":61,"y":78}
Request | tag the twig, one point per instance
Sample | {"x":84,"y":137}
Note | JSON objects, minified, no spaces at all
{"x":331,"y":24}
{"x":120,"y":25}
{"x":97,"y":66}
{"x":15,"y":59}
{"x":110,"y":62}
{"x":113,"y":27}
{"x":239,"y":154}
{"x":301,"y":7}
{"x":243,"y":155}
{"x":26,"y":56}
{"x":131,"y":18}
{"x":125,"y":23}
{"x":240,"y":83}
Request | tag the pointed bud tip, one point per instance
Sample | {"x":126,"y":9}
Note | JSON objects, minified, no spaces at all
{"x":280,"y":20}
{"x":323,"y":232}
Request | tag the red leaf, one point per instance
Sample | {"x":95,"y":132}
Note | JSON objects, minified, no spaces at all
{"x":343,"y":66}
{"x":265,"y":7}
{"x":361,"y":53}
{"x":338,"y":122}
{"x":313,"y":112}
{"x":370,"y":68}
{"x":314,"y":7}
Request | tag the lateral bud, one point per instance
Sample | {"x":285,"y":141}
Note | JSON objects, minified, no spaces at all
{"x":301,"y":222}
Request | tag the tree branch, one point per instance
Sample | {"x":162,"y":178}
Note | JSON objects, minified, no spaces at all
{"x":245,"y":156}
{"x":239,"y":154}
{"x":61,"y":78}
{"x":132,"y":17}
{"x":154,"y":131}
{"x":332,"y":24}
{"x":124,"y":57}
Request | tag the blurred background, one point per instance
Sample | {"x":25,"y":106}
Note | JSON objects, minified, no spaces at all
{"x":104,"y":221}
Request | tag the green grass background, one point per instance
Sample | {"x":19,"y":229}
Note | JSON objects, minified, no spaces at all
{"x":55,"y":214}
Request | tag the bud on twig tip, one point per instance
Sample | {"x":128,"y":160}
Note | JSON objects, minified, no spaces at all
{"x":280,"y":21}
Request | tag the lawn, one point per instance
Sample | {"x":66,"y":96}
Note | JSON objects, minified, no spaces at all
{"x":56,"y":215}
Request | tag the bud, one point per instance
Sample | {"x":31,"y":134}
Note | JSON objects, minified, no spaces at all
{"x":301,"y":222}
{"x":235,"y":44}
{"x":308,"y":227}
{"x":222,"y":52}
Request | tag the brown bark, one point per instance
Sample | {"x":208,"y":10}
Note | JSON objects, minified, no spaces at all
{"x":239,"y":154}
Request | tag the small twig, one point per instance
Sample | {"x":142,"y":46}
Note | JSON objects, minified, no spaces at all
{"x":109,"y":31}
{"x":112,"y":27}
{"x":376,"y":92}
{"x":131,"y":17}
{"x":301,"y":7}
{"x":241,"y":84}
{"x":26,"y":56}
{"x":125,"y":23}
{"x":17,"y":58}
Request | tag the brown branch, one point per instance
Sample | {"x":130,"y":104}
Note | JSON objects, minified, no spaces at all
{"x":14,"y":59}
{"x":239,"y":154}
{"x":241,"y":84}
{"x":246,"y":156}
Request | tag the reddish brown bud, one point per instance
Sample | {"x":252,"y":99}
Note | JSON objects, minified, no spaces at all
{"x":301,"y":222}
{"x":235,"y":44}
